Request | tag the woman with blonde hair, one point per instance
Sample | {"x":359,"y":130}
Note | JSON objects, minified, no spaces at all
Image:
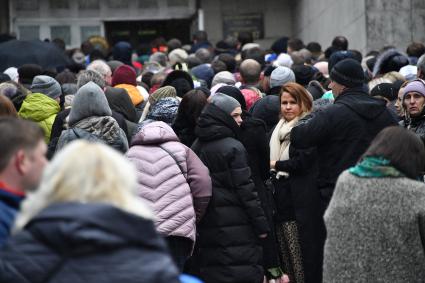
{"x":299,"y":228}
{"x":86,"y":224}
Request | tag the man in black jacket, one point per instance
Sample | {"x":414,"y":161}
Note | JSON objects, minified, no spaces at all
{"x":345,"y":129}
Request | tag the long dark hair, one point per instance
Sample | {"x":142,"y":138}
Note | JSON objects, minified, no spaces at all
{"x":191,"y":106}
{"x":403,"y":148}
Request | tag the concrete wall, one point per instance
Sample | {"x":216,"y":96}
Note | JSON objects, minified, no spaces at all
{"x":322,"y":20}
{"x":394,"y":23}
{"x":368,"y":24}
{"x":277,"y":17}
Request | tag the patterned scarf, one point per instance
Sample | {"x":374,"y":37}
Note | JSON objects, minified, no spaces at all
{"x":375,"y":167}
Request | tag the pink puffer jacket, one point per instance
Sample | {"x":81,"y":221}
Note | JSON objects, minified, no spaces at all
{"x":171,"y":193}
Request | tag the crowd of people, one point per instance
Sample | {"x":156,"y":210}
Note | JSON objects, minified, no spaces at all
{"x":229,"y":163}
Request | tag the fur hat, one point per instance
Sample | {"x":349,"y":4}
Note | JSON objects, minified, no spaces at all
{"x":90,"y":100}
{"x":390,"y":60}
{"x":124,"y":75}
{"x":280,"y":76}
{"x":349,"y":73}
{"x":47,"y":86}
{"x":225,"y":102}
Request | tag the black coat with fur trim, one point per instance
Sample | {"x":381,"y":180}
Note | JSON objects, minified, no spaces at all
{"x":342,"y":133}
{"x":228,"y":233}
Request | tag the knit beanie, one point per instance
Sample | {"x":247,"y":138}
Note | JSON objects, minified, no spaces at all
{"x":47,"y":86}
{"x":90,"y":100}
{"x":162,"y":92}
{"x":348,"y":72}
{"x":124,"y":75}
{"x":303,"y":74}
{"x":223,"y":77}
{"x":409,"y":72}
{"x":225,"y":102}
{"x":203,"y":72}
{"x":284,"y":60}
{"x":235,"y":93}
{"x":280,"y":76}
{"x":415,"y":86}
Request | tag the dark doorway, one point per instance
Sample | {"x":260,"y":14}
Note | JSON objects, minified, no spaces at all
{"x":137,"y":32}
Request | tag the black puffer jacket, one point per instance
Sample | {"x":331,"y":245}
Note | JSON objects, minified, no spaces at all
{"x":71,"y":242}
{"x":341,"y":133}
{"x":228,"y":233}
{"x":253,"y":136}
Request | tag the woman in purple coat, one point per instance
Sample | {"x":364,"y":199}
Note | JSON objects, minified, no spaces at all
{"x":175,"y":183}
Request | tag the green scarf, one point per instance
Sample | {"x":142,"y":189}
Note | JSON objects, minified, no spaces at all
{"x":375,"y":167}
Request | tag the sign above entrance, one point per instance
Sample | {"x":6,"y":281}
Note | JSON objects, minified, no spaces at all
{"x":236,"y":23}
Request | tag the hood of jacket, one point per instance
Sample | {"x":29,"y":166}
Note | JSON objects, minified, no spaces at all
{"x":215,"y":124}
{"x":360,"y":102}
{"x":120,"y":102}
{"x":154,"y":133}
{"x":89,"y":101}
{"x":75,"y":227}
{"x":38,"y":107}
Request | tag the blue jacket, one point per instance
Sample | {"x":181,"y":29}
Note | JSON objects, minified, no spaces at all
{"x":9,"y":206}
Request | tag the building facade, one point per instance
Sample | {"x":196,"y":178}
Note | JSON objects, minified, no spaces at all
{"x":368,"y":24}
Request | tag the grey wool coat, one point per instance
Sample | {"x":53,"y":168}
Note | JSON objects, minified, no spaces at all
{"x":375,"y":231}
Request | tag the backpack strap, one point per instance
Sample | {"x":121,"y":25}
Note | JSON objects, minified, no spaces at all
{"x":175,"y":159}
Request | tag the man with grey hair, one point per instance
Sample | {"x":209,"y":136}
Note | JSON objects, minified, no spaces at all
{"x":90,"y":76}
{"x":102,"y":68}
{"x":421,"y":67}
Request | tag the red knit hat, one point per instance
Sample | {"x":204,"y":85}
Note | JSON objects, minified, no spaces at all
{"x":124,"y":75}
